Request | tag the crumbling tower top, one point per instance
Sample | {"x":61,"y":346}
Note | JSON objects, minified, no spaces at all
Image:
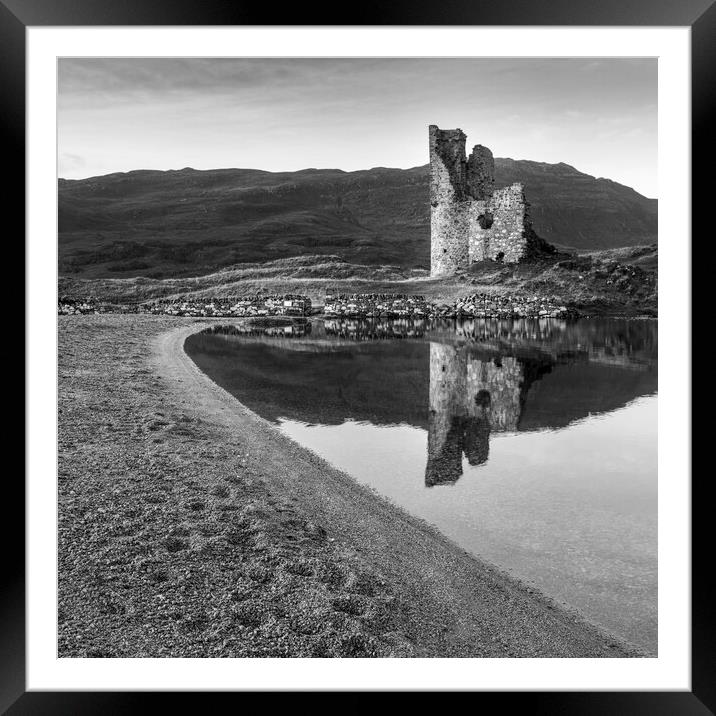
{"x":480,"y":173}
{"x":447,"y":157}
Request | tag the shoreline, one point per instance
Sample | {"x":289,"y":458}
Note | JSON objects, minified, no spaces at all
{"x":253,"y":545}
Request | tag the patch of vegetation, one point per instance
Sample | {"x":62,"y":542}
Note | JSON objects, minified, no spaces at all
{"x":625,"y":279}
{"x":174,"y":544}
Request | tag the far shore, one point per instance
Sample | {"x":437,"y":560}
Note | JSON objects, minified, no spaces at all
{"x":191,"y":527}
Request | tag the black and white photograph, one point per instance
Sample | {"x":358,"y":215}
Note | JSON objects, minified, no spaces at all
{"x":357,"y":357}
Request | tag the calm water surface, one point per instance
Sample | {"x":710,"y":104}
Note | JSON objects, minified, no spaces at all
{"x":532,"y":444}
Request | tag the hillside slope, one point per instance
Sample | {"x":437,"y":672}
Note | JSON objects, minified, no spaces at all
{"x":189,"y":222}
{"x":615,"y":282}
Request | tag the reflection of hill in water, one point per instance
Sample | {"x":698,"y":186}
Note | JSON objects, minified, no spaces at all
{"x":586,"y":388}
{"x":473,"y":395}
{"x":385,"y":383}
{"x":612,"y":341}
{"x":536,"y":375}
{"x":607,"y":340}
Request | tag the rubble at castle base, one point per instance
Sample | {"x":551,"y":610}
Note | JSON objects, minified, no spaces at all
{"x":242,"y":306}
{"x":376,"y":305}
{"x":476,"y":305}
{"x":485,"y":305}
{"x":506,"y":238}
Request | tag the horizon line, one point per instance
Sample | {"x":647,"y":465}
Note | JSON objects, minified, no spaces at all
{"x":344,"y":171}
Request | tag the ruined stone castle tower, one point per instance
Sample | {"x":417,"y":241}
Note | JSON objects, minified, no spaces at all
{"x":470,"y":220}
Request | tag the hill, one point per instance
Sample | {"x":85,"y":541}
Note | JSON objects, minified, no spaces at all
{"x":187,"y":222}
{"x":616,"y":282}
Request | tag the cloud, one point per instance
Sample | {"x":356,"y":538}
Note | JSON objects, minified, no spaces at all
{"x":117,"y":114}
{"x":70,"y":163}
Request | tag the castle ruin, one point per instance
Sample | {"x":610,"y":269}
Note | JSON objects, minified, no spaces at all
{"x":470,"y":220}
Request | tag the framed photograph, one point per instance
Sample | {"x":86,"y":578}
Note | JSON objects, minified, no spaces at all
{"x":343,"y":363}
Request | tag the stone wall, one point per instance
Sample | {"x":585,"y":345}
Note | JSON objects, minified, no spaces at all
{"x":448,"y":205}
{"x":470,"y":220}
{"x":480,"y":173}
{"x":508,"y":234}
{"x":479,"y":230}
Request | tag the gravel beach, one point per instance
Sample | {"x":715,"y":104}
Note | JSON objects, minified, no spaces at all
{"x":191,"y":527}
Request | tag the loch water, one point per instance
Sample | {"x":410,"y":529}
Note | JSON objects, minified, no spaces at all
{"x":530,"y":443}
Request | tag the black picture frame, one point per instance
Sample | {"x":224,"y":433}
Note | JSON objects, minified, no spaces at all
{"x":17,"y":15}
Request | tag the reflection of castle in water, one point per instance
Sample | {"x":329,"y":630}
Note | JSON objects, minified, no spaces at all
{"x":471,"y":396}
{"x":294,"y":329}
{"x":360,"y":329}
{"x":476,"y":377}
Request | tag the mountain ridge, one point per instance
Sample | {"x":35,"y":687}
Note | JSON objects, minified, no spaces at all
{"x":182,"y":222}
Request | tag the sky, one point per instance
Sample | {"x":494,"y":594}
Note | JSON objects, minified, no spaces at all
{"x":276,"y":114}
